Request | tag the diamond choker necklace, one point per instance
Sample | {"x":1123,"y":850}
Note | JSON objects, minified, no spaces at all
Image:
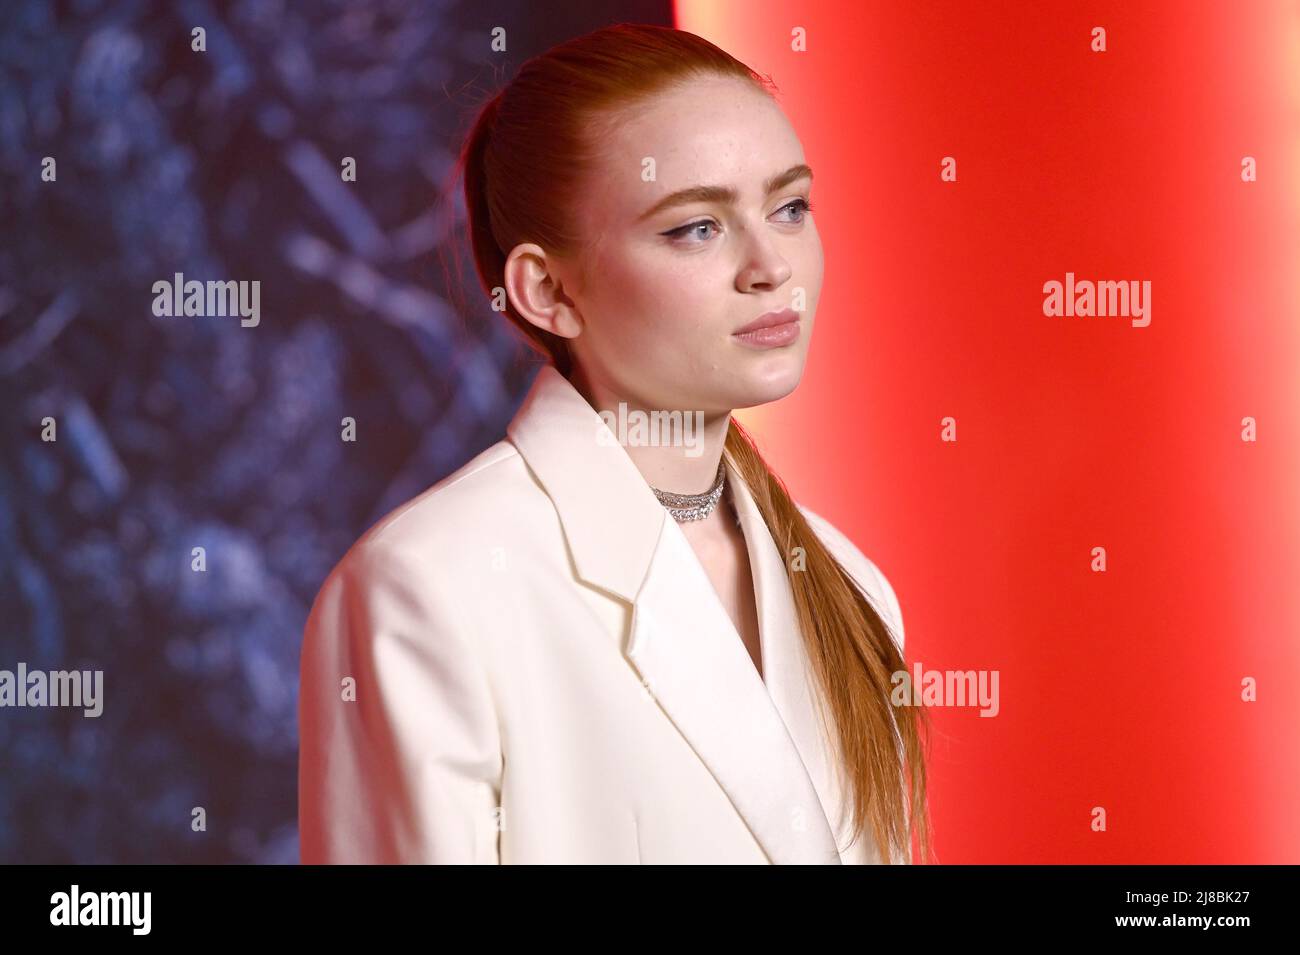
{"x":693,"y":507}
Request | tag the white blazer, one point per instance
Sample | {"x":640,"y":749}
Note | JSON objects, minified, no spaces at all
{"x":527,"y":663}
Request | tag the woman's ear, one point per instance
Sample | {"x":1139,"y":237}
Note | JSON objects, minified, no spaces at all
{"x":535,"y":289}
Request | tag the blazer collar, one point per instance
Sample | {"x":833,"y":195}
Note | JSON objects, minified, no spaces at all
{"x":760,"y":737}
{"x":610,"y":516}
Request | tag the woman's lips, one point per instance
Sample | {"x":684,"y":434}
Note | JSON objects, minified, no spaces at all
{"x":774,"y":336}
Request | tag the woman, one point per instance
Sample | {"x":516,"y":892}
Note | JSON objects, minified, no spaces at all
{"x":547,"y":657}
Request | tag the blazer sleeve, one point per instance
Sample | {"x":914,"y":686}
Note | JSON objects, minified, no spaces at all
{"x":399,"y":744}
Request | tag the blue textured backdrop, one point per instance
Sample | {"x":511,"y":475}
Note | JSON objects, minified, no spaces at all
{"x":194,"y":431}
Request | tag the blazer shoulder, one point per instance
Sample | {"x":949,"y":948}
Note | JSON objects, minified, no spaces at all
{"x":494,"y":495}
{"x":475,"y":490}
{"x":486,"y":499}
{"x":405,"y":574}
{"x":870,"y":578}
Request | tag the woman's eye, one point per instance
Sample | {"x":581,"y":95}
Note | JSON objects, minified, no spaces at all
{"x":802,"y":206}
{"x":685,"y":231}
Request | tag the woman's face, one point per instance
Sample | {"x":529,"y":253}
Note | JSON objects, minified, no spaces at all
{"x":664,"y":281}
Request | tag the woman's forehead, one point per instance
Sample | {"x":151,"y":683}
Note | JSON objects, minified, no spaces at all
{"x":740,"y":145}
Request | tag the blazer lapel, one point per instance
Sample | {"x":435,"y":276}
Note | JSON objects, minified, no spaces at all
{"x":760,"y":742}
{"x":693,"y":662}
{"x":787,"y":671}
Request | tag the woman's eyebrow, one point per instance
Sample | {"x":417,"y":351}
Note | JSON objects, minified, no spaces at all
{"x":726,"y":195}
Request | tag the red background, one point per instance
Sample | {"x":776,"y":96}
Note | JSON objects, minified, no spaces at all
{"x":1119,"y":689}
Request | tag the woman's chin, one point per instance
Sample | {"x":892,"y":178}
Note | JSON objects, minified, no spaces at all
{"x":769,"y":379}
